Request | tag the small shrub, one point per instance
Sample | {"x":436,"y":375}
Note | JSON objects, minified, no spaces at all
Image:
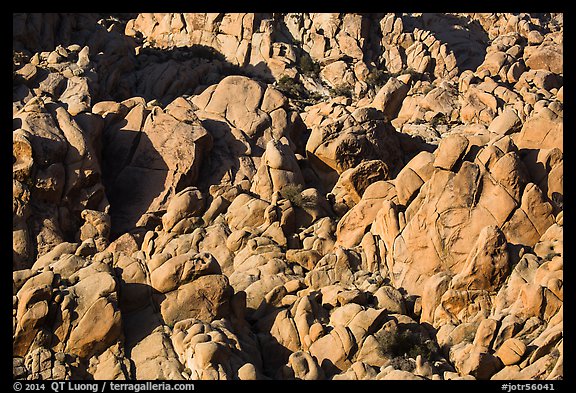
{"x":554,"y":355}
{"x":551,"y":256}
{"x":19,"y":58}
{"x":293,"y":192}
{"x":314,"y":96}
{"x":440,"y":119}
{"x":409,"y":71}
{"x":308,"y":66}
{"x":402,"y":363}
{"x":558,"y":199}
{"x":410,"y":344}
{"x":341,"y":90}
{"x":377,"y":78}
{"x":64,"y":282}
{"x":291,"y":87}
{"x":412,"y":72}
{"x":294,"y":90}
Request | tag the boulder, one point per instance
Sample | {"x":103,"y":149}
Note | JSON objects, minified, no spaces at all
{"x":356,"y":221}
{"x":345,"y":143}
{"x":546,"y":56}
{"x":333,"y":350}
{"x":182,"y":269}
{"x":475,"y":361}
{"x":278,"y":169}
{"x":389,"y":98}
{"x":505,"y":123}
{"x":246,"y":211}
{"x":97,"y":305}
{"x":186,"y":203}
{"x":166,"y":153}
{"x":511,"y":351}
{"x":450,"y":151}
{"x":154,"y":358}
{"x":205,"y":298}
{"x":352,"y":183}
{"x":487,"y":265}
{"x":542,"y":130}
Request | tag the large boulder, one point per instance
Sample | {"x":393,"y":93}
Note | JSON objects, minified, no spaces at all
{"x":206,"y":298}
{"x":278,"y":169}
{"x":542,"y":130}
{"x":155,"y":155}
{"x":453,"y":207}
{"x":244,"y":116}
{"x":347,"y":141}
{"x":86,"y":317}
{"x":56,"y":161}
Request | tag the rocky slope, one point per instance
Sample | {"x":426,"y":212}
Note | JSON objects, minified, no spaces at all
{"x":288,"y":196}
